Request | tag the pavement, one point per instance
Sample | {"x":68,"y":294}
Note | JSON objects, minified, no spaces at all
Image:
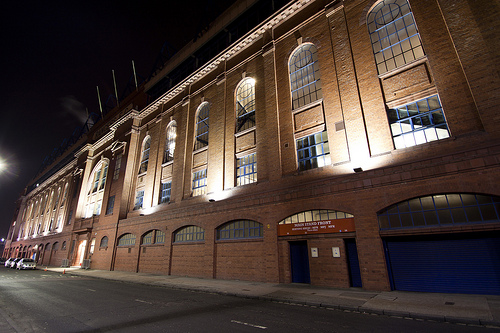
{"x":479,"y":310}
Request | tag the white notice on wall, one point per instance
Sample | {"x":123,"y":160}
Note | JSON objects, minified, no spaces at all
{"x":314,"y":252}
{"x":336,"y":252}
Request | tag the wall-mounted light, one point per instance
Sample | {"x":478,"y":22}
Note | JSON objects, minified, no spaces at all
{"x":357,"y":169}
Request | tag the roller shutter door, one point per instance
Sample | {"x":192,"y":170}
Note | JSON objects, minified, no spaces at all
{"x":450,"y":264}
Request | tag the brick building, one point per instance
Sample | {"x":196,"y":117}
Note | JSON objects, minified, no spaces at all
{"x":338,"y":143}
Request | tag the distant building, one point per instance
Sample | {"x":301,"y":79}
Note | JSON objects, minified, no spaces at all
{"x":341,"y":144}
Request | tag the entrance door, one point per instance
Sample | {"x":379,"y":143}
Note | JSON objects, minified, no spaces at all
{"x":299,"y":257}
{"x":81,"y":252}
{"x":353,"y":262}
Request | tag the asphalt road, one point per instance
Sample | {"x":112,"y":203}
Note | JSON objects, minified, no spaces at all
{"x":41,"y":301}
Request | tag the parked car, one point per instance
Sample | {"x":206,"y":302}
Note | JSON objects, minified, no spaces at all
{"x":8,"y":262}
{"x":14,"y":262}
{"x":26,"y":263}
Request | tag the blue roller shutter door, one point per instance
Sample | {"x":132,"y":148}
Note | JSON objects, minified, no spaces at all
{"x":456,"y":264}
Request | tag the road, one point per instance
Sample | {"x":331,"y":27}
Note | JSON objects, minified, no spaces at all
{"x":42,"y":301}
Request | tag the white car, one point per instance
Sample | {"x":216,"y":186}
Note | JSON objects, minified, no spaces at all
{"x":8,"y":262}
{"x":26,"y":263}
{"x":13,"y":262}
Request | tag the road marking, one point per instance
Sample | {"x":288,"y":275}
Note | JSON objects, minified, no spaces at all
{"x":91,"y":290}
{"x":138,"y":300}
{"x":248,"y":324}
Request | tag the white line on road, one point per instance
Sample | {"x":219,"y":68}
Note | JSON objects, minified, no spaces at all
{"x":138,"y":300}
{"x":248,"y":324}
{"x":91,"y":290}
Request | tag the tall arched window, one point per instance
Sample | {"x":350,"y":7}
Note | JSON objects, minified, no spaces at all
{"x":201,"y":139}
{"x":97,"y":182}
{"x":170,"y":143}
{"x":305,"y":81}
{"x":393,"y":33}
{"x":245,"y":104}
{"x":145,"y":155}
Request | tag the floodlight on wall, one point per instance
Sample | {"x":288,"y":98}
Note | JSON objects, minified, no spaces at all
{"x":357,"y":169}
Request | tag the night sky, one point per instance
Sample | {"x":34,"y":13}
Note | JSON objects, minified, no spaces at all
{"x":53,"y":56}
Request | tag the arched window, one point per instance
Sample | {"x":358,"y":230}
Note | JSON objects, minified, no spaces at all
{"x":190,"y":233}
{"x":104,"y":242}
{"x":126,"y":240}
{"x":305,"y":81}
{"x":240,"y":229}
{"x":170,"y":143}
{"x":245,"y":104}
{"x":441,"y":210}
{"x":202,"y":115}
{"x":316,"y":215}
{"x":394,"y":35}
{"x":145,"y":155}
{"x":63,"y":246}
{"x":153,"y":237}
{"x":97,"y":182}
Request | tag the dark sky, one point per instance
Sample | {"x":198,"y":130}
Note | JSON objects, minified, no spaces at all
{"x":53,"y":55}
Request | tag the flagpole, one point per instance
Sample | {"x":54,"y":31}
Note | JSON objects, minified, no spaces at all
{"x":116,"y":92}
{"x":99,"y":98}
{"x":135,"y":76}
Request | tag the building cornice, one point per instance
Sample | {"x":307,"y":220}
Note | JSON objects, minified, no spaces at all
{"x":52,"y":179}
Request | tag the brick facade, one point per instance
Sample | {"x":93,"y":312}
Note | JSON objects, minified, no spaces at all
{"x":459,"y":66}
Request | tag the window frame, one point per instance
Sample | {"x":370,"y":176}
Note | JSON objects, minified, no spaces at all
{"x":395,"y":41}
{"x":165,"y":192}
{"x":126,"y":240}
{"x":307,"y":155}
{"x":238,"y":230}
{"x":171,"y":135}
{"x":139,"y":199}
{"x":189,"y":234}
{"x":110,"y":205}
{"x":202,"y":128}
{"x":199,"y":182}
{"x":446,"y":210}
{"x":146,"y":148}
{"x":245,"y":105}
{"x":246,"y":169}
{"x":95,"y":188}
{"x":419,"y":111}
{"x":304,"y":76}
{"x":104,"y":239}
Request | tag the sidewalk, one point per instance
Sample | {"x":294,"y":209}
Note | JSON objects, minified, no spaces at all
{"x":455,"y":308}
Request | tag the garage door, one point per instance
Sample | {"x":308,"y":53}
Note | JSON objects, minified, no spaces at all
{"x":450,"y":264}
